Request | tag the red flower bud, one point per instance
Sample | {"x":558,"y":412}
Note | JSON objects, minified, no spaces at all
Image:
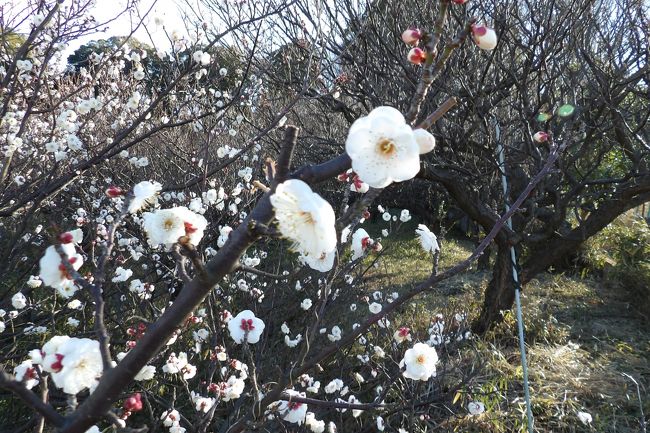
{"x":114,"y":191}
{"x":540,"y":136}
{"x":133,"y":403}
{"x":411,"y":36}
{"x":417,"y":56}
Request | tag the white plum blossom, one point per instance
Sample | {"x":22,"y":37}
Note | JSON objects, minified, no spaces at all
{"x":166,"y":226}
{"x":144,"y":193}
{"x":360,"y":242}
{"x":374,"y":308}
{"x":75,"y":363}
{"x":316,"y":426}
{"x":475,"y":408}
{"x":293,"y":412}
{"x":305,"y":218}
{"x":405,"y":216}
{"x":383,"y":148}
{"x":427,"y":239}
{"x":420,"y":362}
{"x":245,"y":326}
{"x":306,"y":304}
{"x":584,"y":417}
{"x":34,"y":281}
{"x":170,"y":418}
{"x":19,"y":301}
{"x":53,"y":272}
{"x":121,"y":274}
{"x":26,"y":373}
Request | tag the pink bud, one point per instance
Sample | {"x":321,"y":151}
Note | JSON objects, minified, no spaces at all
{"x":133,"y":403}
{"x":540,"y":137}
{"x":411,"y":36}
{"x":417,"y":56}
{"x":484,"y":37}
{"x":114,"y":191}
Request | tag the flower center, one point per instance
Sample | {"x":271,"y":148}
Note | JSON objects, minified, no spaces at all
{"x":386,"y":147}
{"x":306,"y":217}
{"x":168,"y":224}
{"x":294,"y":405}
{"x":420,"y":359}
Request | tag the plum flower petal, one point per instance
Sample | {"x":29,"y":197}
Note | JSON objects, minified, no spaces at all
{"x":383,"y":148}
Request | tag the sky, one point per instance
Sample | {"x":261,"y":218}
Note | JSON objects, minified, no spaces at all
{"x":105,"y":10}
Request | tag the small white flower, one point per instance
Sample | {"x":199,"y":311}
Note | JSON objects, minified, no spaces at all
{"x":420,"y":362}
{"x":26,"y":373}
{"x":475,"y":408}
{"x":143,"y":193}
{"x":121,"y":275}
{"x":170,"y":418}
{"x":305,"y":218}
{"x":291,"y":411}
{"x":306,"y":304}
{"x":374,"y":308}
{"x":360,"y":242}
{"x":19,"y":301}
{"x":166,"y":226}
{"x":427,"y":239}
{"x":584,"y":417}
{"x":405,"y":216}
{"x":246,"y":326}
{"x":52,"y":271}
{"x":383,"y":148}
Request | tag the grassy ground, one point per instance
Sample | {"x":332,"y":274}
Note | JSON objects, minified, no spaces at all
{"x":583,"y":340}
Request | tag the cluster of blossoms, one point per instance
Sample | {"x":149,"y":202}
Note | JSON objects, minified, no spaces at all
{"x":75,"y":364}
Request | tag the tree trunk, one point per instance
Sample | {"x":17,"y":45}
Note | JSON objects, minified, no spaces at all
{"x":500,"y":292}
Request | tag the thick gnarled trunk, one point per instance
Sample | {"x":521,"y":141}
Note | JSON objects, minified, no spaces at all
{"x":500,"y":292}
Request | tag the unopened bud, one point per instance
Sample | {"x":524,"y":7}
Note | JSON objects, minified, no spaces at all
{"x":411,"y":36}
{"x":114,"y":191}
{"x":417,"y":56}
{"x":484,"y":37}
{"x":540,"y":137}
{"x":133,"y":403}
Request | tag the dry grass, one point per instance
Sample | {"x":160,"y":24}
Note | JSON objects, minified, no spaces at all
{"x":581,"y":338}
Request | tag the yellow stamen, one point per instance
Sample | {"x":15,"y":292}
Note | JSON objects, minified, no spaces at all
{"x":386,"y":147}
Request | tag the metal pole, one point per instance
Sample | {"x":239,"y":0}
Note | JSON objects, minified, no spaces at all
{"x":515,"y":276}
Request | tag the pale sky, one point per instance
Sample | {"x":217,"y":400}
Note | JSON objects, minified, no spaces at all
{"x":105,"y":10}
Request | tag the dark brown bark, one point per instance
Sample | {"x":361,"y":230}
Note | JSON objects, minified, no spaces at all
{"x":500,"y":292}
